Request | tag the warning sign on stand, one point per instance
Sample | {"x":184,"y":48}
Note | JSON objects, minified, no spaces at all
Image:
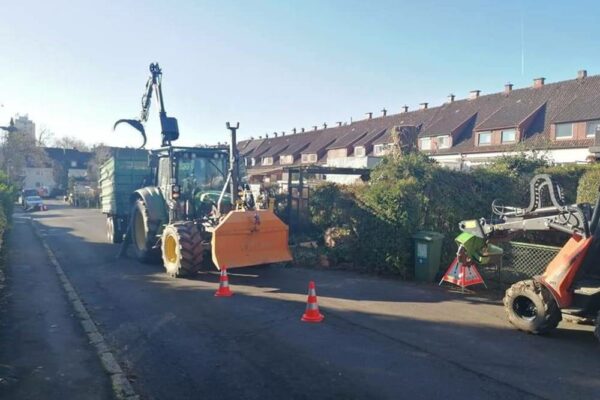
{"x":462,"y":274}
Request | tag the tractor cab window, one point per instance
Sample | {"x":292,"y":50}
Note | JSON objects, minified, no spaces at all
{"x":206,"y":172}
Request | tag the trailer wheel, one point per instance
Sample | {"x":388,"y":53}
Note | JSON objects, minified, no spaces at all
{"x":113,"y":233}
{"x":597,"y":329}
{"x":531,"y":308}
{"x":143,"y":234}
{"x":182,"y":249}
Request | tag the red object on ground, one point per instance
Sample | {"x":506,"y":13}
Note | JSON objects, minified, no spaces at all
{"x":462,"y":274}
{"x":223,"y":290}
{"x":312,"y":313}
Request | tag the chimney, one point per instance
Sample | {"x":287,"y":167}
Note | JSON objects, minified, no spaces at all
{"x":324,"y":125}
{"x":302,"y":130}
{"x":423,"y":106}
{"x":339,"y":123}
{"x":473,"y":94}
{"x":384,"y":112}
{"x":315,"y":127}
{"x":282,"y":133}
{"x":581,"y":74}
{"x":251,"y":137}
{"x":538,"y":82}
{"x":294,"y":131}
{"x":404,"y":108}
{"x":370,"y":115}
{"x":266,"y":135}
{"x":260,"y":136}
{"x":450,"y":98}
{"x":508,"y":88}
{"x":274,"y":134}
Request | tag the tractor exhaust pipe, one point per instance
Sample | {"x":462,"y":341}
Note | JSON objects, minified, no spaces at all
{"x":233,"y":162}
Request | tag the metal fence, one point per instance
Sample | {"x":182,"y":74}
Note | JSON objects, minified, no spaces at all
{"x":519,"y":261}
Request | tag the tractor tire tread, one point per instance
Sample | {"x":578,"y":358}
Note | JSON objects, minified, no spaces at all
{"x":533,"y":290}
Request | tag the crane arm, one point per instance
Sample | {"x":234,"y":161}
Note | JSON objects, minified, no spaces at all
{"x":169,"y":126}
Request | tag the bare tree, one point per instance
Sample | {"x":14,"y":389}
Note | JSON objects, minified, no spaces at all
{"x":101,"y":153}
{"x":45,"y":137}
{"x":17,"y":152}
{"x":70,"y":142}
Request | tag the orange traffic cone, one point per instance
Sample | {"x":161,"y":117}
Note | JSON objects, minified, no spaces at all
{"x":223,"y":290}
{"x":312,"y":313}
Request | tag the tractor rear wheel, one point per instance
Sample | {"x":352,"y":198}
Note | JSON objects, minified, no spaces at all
{"x":143,"y":233}
{"x":182,"y":249}
{"x":113,"y":233}
{"x":531,"y":308}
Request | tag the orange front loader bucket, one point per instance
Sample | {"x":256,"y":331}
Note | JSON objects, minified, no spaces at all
{"x":246,"y":238}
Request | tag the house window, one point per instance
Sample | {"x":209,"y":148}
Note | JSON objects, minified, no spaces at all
{"x":591,"y":128}
{"x":509,"y":135}
{"x":360,"y":151}
{"x":309,"y":158}
{"x":287,"y":159}
{"x":253,"y":161}
{"x":564,"y":131}
{"x":443,"y":142}
{"x":485,"y":138}
{"x":382,"y":149}
{"x":425,"y":143}
{"x":73,"y":164}
{"x":267,"y":161}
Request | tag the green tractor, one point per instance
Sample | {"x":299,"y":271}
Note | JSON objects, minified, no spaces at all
{"x":192,"y":203}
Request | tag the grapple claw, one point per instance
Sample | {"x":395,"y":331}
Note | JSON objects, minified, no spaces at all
{"x":136,"y":124}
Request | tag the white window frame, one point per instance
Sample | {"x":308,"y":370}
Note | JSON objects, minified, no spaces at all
{"x":381,"y":149}
{"x":286,"y":159}
{"x":445,"y":138}
{"x":360,"y":151}
{"x":595,"y":122}
{"x":479,"y":134}
{"x":556,"y":126}
{"x":422,"y":142}
{"x":514,"y":132}
{"x":308,"y":158}
{"x":253,"y":161}
{"x":267,"y":161}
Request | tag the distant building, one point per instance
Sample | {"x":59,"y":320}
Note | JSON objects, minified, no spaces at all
{"x":558,"y":120}
{"x":62,"y":165}
{"x":25,"y":126}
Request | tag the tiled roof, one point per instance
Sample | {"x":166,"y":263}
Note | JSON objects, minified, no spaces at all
{"x":568,"y":101}
{"x":321,"y":139}
{"x":511,"y":114}
{"x":370,"y":137}
{"x":348,"y":139}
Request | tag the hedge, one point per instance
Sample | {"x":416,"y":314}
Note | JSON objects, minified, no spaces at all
{"x":372,"y":225}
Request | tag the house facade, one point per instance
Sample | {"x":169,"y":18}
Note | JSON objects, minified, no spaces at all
{"x":558,"y":120}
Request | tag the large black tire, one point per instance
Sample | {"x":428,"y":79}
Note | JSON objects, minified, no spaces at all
{"x":113,"y":233}
{"x":182,"y":249}
{"x":143,"y":234}
{"x":597,"y":326}
{"x":530,"y":307}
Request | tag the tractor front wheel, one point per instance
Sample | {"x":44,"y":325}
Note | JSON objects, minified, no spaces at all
{"x":182,"y":249}
{"x":531,"y":308}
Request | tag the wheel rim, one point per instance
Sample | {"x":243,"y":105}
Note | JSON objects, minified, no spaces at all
{"x":170,"y":249}
{"x":140,"y":231}
{"x":524,"y":308}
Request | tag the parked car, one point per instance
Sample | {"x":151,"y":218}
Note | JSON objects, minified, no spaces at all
{"x":34,"y":203}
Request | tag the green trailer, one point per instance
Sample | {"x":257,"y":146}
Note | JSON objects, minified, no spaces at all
{"x":122,"y":174}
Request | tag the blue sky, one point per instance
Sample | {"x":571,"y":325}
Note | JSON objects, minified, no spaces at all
{"x":77,"y":66}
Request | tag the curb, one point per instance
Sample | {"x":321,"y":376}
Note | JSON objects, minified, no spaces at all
{"x":121,"y":386}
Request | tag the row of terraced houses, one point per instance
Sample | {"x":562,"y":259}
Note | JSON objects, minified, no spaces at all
{"x":557,"y":119}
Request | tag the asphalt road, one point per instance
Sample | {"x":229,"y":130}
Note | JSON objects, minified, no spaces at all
{"x":381,"y":338}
